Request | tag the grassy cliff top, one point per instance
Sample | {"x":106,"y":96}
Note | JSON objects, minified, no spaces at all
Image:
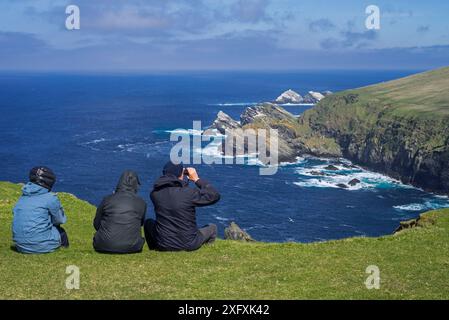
{"x":413,"y":264}
{"x":426,"y":92}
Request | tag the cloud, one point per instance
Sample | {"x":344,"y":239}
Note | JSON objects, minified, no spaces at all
{"x":423,"y":29}
{"x":251,"y":11}
{"x":13,"y":43}
{"x":151,"y":18}
{"x":350,"y":39}
{"x":321,"y":25}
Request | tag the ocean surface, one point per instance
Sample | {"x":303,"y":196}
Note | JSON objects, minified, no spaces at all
{"x":89,"y":128}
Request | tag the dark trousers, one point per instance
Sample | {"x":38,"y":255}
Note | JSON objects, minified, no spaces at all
{"x":149,"y":229}
{"x":208,"y":234}
{"x":64,"y":237}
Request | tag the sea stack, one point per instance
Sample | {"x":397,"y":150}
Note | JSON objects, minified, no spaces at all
{"x":313,"y":97}
{"x":289,"y":96}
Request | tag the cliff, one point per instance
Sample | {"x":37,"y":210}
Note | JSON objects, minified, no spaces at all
{"x":400,"y":128}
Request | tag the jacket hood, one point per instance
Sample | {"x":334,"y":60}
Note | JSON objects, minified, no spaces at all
{"x":31,"y":189}
{"x":168,"y":180}
{"x":129,"y":181}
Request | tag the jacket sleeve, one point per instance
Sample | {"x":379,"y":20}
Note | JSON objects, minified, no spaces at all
{"x":206,"y":194}
{"x":56,"y":211}
{"x":98,"y":215}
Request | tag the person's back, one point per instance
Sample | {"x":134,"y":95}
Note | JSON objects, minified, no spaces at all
{"x":38,"y":215}
{"x":174,"y":203}
{"x":120,"y":217}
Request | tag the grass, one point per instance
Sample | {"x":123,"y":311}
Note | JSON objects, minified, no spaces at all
{"x":420,"y":94}
{"x":414,"y":264}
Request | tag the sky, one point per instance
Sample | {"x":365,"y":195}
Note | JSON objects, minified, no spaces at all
{"x":157,"y":35}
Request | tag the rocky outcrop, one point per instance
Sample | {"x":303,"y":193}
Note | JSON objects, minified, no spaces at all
{"x":293,"y":97}
{"x":293,"y":138}
{"x":262,"y":116}
{"x":313,"y":97}
{"x":423,"y":220}
{"x":289,"y":96}
{"x":354,"y":182}
{"x":222,"y":123}
{"x":234,"y":232}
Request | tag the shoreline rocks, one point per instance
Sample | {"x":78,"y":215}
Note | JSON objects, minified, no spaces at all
{"x":234,"y":232}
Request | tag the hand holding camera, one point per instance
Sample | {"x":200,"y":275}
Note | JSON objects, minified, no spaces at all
{"x":191,"y":174}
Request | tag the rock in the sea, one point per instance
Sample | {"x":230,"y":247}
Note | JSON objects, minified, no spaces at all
{"x":342,"y":185}
{"x":289,"y":96}
{"x":262,"y":116}
{"x":222,"y":123}
{"x":331,"y":168}
{"x":313,"y":97}
{"x":326,"y":93}
{"x":317,"y":173}
{"x":354,"y":182}
{"x":234,"y":232}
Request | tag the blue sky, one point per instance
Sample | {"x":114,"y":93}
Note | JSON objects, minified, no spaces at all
{"x":148,"y":35}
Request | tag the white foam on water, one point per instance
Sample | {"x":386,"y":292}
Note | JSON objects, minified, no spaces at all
{"x":411,"y":207}
{"x":92,"y":143}
{"x":187,"y":132}
{"x":222,"y":219}
{"x":299,"y":160}
{"x":427,"y":205}
{"x":297,"y":104}
{"x":141,"y":147}
{"x":231,"y":104}
{"x":318,"y":176}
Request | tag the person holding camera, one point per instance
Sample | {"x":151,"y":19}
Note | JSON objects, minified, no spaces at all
{"x":175,"y":227}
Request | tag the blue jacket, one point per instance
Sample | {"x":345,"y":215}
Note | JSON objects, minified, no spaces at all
{"x":36,"y":214}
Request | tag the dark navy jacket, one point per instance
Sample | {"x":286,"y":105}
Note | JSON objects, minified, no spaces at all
{"x":174,"y":204}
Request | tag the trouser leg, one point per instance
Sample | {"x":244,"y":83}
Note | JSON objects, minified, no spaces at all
{"x":209,"y":233}
{"x":149,"y":230}
{"x":64,"y":237}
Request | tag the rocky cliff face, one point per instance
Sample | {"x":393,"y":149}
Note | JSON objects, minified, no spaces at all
{"x":404,"y":141}
{"x":400,"y":128}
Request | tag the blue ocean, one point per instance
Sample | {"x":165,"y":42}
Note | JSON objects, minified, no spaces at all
{"x":89,"y":128}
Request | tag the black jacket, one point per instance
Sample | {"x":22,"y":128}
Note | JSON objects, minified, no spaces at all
{"x":120,"y":217}
{"x":174,"y":204}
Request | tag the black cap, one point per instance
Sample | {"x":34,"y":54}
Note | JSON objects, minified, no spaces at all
{"x":43,"y":177}
{"x":173,"y":169}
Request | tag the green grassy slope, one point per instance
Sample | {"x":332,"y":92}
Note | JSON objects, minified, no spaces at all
{"x":413,"y":264}
{"x":426,"y":92}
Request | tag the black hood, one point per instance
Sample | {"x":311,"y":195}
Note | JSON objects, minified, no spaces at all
{"x":129,"y":181}
{"x":168,"y":180}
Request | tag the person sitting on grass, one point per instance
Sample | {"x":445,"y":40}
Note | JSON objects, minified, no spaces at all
{"x":120,"y":217}
{"x":174,"y":203}
{"x":38,"y":215}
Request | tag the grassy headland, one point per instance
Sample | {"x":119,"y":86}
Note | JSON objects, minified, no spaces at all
{"x":413,"y":264}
